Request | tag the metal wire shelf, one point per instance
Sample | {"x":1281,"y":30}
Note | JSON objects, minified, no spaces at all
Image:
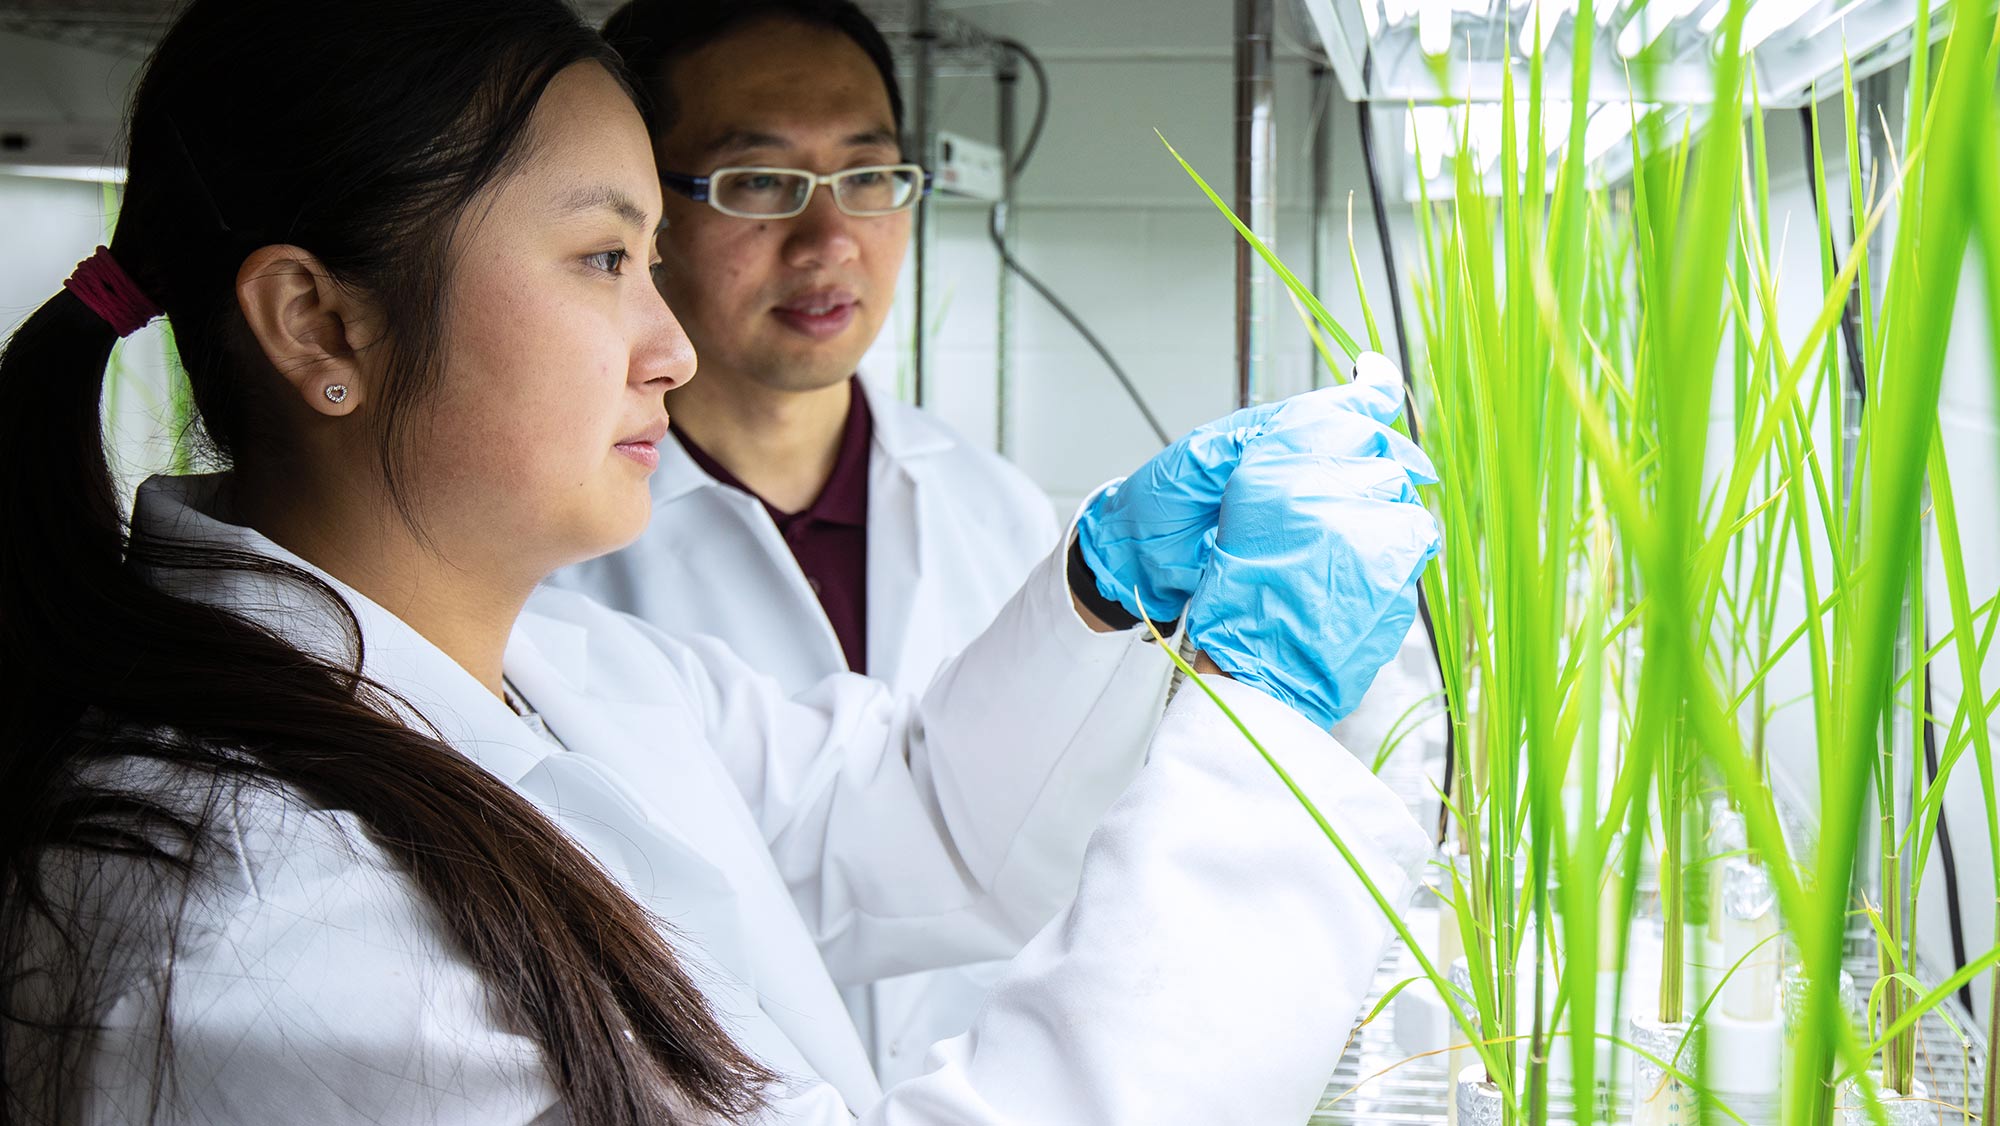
{"x":1377,"y":1085}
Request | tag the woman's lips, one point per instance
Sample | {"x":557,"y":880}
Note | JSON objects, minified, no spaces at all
{"x":645,"y":453}
{"x":644,"y":448}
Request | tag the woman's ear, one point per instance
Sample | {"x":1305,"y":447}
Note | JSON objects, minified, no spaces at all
{"x":310,"y":328}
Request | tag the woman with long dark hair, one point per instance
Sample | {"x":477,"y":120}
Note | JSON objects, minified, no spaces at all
{"x":312,"y":811}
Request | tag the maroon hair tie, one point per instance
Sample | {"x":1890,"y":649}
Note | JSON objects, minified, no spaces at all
{"x":104,"y":286}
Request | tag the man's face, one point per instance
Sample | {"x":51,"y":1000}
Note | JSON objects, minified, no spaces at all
{"x":788,"y":303}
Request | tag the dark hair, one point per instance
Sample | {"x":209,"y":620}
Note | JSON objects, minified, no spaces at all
{"x":651,"y":34}
{"x":361,"y":131}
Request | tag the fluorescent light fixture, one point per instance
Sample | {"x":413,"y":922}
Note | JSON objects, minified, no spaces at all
{"x":1471,"y":133}
{"x":1651,"y":21}
{"x":1427,"y":134}
{"x":1542,"y":18}
{"x":1798,"y":45}
{"x":1608,"y":127}
{"x":1835,"y":17}
{"x":1434,"y":26}
{"x":1770,"y":17}
{"x":1764,"y":19}
{"x":89,"y":173}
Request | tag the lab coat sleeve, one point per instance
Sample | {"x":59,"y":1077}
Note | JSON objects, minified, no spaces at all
{"x":915,"y":834}
{"x":315,"y":985}
{"x":1214,"y":962}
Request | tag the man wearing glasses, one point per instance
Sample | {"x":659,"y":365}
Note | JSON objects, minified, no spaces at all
{"x":813,"y":525}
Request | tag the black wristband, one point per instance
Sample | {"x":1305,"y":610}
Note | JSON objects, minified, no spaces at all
{"x":1083,"y":584}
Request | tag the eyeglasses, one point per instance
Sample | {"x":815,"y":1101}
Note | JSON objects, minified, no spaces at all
{"x":780,"y":193}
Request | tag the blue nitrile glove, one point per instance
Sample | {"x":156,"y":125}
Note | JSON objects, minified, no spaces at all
{"x":1146,"y":537}
{"x":1312,"y":584}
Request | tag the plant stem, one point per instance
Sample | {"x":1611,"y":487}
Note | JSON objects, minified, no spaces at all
{"x":1673,"y":896}
{"x":1989,"y":1104}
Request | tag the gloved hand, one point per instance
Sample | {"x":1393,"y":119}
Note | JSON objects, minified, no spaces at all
{"x":1312,"y":583}
{"x":1146,"y":538}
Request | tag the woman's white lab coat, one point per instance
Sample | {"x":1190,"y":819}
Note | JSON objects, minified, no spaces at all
{"x":953,"y":531}
{"x":1206,"y":971}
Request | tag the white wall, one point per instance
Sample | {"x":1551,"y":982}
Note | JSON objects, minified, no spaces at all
{"x":1111,"y":223}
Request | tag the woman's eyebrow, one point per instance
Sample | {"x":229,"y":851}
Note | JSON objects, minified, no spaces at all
{"x":606,"y":198}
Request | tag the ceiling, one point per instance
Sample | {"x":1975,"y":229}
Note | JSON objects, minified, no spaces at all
{"x":130,"y":27}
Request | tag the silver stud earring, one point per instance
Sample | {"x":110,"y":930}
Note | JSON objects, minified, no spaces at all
{"x":336,"y":392}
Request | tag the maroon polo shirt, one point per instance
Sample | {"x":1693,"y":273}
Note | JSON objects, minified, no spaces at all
{"x":829,"y":538}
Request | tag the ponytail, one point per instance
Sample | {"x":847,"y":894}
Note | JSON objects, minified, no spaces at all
{"x":425,"y":102}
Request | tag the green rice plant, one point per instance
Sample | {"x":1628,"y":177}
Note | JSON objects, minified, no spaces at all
{"x":1982,"y":175}
{"x":1605,"y":557}
{"x":1854,"y":688}
{"x":1877,"y":543}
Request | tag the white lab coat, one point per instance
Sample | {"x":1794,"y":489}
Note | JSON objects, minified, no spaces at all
{"x":953,"y":531}
{"x":1206,"y":971}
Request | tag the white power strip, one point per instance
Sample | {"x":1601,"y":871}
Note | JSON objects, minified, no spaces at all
{"x":969,"y":169}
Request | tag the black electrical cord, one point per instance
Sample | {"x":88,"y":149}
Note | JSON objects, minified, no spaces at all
{"x":1858,"y":378}
{"x":993,"y":231}
{"x":1947,"y":859}
{"x":1021,"y":51}
{"x":1367,"y":123}
{"x":1850,"y":316}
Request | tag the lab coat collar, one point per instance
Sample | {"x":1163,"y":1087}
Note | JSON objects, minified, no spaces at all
{"x":590,"y":794}
{"x":436,"y":692}
{"x":902,"y":432}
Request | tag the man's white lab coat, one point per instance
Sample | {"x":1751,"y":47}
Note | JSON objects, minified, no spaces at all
{"x":1207,"y":970}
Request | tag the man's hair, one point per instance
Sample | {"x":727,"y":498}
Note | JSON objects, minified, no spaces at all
{"x":651,"y":34}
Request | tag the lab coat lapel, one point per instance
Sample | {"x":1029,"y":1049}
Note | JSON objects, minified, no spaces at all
{"x":748,"y":927}
{"x":648,"y":847}
{"x":728,"y":539}
{"x":894,"y":553}
{"x":897,"y":498}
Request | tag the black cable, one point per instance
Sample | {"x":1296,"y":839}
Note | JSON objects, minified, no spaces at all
{"x":1947,"y":858}
{"x":1858,"y":379}
{"x":993,"y":230}
{"x":1850,"y":316}
{"x":1367,"y":123}
{"x":1083,"y":330}
{"x":1041,"y":101}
